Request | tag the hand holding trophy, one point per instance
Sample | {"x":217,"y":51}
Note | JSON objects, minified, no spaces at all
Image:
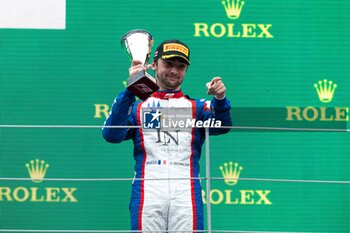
{"x":138,"y":44}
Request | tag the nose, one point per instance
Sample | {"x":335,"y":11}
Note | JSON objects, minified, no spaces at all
{"x":173,"y":71}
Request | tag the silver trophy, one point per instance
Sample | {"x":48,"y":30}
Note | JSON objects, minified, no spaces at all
{"x":138,"y":44}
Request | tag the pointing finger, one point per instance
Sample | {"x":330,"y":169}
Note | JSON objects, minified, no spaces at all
{"x":215,"y":79}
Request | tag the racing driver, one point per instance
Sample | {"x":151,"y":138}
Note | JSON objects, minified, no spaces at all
{"x":166,"y":196}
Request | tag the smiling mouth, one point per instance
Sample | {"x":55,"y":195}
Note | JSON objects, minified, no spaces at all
{"x":173,"y":78}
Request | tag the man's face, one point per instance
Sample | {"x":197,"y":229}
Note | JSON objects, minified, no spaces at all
{"x":170,"y":73}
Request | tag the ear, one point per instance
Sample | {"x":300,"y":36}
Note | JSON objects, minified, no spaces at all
{"x":154,"y":65}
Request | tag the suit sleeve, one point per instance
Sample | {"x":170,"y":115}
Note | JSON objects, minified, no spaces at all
{"x":120,"y":115}
{"x":220,"y":111}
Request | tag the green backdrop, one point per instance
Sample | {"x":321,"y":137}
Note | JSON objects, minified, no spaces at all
{"x":269,"y":56}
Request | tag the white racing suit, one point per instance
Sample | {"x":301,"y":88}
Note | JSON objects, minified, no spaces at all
{"x":164,"y":197}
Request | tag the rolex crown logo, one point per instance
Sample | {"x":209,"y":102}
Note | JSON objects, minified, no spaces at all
{"x":37,"y":170}
{"x":231,"y":173}
{"x":325,"y":90}
{"x":233,"y":8}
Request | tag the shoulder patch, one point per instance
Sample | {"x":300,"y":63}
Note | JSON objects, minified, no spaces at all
{"x":207,"y":105}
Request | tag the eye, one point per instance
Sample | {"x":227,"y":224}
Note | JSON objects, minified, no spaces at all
{"x":168,"y":63}
{"x":182,"y":66}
